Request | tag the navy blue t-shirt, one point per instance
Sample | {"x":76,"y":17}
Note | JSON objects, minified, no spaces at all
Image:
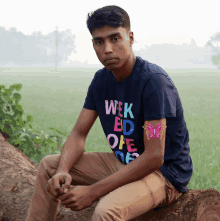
{"x":148,"y":93}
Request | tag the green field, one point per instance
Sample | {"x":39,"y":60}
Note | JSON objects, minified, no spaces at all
{"x":56,"y":99}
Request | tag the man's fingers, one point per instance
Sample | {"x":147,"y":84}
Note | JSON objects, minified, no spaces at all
{"x":59,"y":191}
{"x":64,"y":189}
{"x":53,"y":193}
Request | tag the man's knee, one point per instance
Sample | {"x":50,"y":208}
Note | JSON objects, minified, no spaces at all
{"x":51,"y":160}
{"x":49,"y":164}
{"x":106,"y":212}
{"x":46,"y":158}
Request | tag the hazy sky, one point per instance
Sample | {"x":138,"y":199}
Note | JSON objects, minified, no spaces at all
{"x":153,"y":22}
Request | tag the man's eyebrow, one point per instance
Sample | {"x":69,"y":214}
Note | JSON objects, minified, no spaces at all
{"x":100,"y":38}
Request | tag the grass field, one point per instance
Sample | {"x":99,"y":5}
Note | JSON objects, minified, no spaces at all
{"x":56,"y":99}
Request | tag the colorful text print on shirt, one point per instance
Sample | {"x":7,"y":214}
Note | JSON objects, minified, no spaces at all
{"x":152,"y":131}
{"x":122,"y":128}
{"x":118,"y":105}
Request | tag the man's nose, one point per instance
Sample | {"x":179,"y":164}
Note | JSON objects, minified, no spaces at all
{"x":108,"y":47}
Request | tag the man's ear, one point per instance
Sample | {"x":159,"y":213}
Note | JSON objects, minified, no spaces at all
{"x":131,"y":37}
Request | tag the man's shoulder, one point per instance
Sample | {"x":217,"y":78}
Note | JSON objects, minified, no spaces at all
{"x":149,"y":67}
{"x":152,"y":67}
{"x":149,"y":70}
{"x":155,"y":72}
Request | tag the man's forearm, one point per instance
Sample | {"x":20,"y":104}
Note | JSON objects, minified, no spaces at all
{"x":72,"y":151}
{"x":135,"y":170}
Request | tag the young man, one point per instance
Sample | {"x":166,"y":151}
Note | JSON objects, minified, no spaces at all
{"x":142,"y":117}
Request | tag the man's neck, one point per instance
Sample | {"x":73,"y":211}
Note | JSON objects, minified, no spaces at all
{"x":126,"y":69}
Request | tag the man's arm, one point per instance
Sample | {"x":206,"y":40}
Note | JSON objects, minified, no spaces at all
{"x":149,"y":161}
{"x":74,"y":146}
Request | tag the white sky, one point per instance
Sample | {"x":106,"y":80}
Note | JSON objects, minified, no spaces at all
{"x":153,"y":22}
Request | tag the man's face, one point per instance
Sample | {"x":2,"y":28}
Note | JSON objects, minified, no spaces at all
{"x":110,"y":42}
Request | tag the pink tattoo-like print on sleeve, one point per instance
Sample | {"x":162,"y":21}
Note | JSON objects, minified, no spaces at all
{"x":152,"y":131}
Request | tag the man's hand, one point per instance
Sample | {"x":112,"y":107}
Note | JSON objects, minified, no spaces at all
{"x":77,"y":198}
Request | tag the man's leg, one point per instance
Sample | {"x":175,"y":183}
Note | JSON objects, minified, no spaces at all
{"x":91,"y":168}
{"x":136,"y":198}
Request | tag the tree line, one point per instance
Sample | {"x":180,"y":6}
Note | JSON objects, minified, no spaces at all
{"x":18,"y":48}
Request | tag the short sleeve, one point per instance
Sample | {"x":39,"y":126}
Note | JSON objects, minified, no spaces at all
{"x":159,"y":98}
{"x":89,"y":101}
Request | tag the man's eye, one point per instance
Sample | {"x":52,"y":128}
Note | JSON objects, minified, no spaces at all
{"x":116,"y":38}
{"x":98,"y":42}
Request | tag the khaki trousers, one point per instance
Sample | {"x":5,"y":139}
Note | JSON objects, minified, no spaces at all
{"x":124,"y":203}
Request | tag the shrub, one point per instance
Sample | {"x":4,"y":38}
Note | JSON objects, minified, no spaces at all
{"x":19,"y":132}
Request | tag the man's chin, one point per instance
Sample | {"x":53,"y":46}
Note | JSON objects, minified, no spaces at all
{"x":112,"y":67}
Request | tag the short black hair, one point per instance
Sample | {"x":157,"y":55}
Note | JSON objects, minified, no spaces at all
{"x":110,"y":15}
